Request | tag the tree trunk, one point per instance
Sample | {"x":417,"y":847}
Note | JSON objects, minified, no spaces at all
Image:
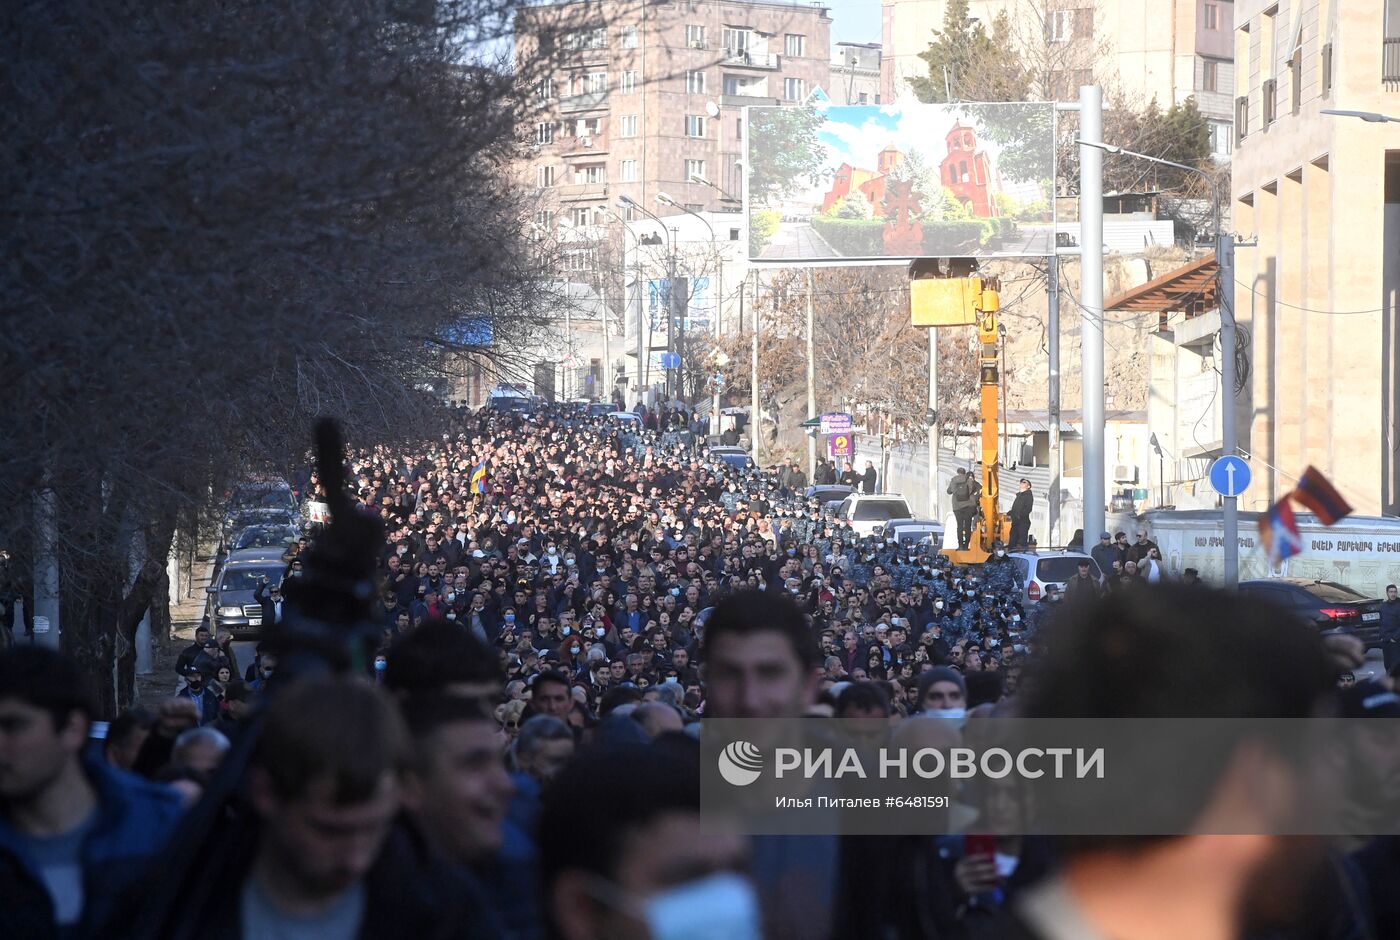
{"x":139,"y":599}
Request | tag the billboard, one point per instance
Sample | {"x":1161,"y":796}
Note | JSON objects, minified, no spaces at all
{"x":875,"y":183}
{"x":650,"y":305}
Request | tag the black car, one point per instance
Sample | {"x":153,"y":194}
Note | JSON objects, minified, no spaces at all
{"x":1330,"y":605}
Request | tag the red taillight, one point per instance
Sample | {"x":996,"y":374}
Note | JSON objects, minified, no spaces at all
{"x":1033,"y":591}
{"x":1340,"y":613}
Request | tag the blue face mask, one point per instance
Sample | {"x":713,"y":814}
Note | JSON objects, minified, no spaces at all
{"x":956,"y":715}
{"x":721,"y":905}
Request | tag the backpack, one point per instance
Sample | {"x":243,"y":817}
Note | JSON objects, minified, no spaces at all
{"x":961,"y":490}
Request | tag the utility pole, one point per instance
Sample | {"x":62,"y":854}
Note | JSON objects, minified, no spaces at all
{"x":811,"y":386}
{"x":753,"y":378}
{"x":933,"y":425}
{"x":1229,"y":444}
{"x":1091,"y":321}
{"x":1052,"y":536}
{"x":673,"y":338}
{"x":605,"y":394}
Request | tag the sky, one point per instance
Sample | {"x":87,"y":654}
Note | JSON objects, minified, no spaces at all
{"x":854,"y":20}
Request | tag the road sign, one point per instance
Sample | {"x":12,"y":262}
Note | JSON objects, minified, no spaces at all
{"x":841,"y":445}
{"x":1229,"y":476}
{"x":835,"y":423}
{"x":670,"y":360}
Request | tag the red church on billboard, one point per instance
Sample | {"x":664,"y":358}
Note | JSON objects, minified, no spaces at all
{"x":869,"y":183}
{"x":968,"y":172}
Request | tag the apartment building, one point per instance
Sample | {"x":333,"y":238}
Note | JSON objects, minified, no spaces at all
{"x":1164,"y":49}
{"x":855,"y":73}
{"x":650,"y":99}
{"x":1319,"y":293}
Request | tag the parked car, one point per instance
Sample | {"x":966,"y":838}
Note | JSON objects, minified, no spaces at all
{"x":1037,"y":571}
{"x":827,"y":492}
{"x":865,"y":513}
{"x":231,"y":604}
{"x":598,"y":409}
{"x":630,"y":418}
{"x":1330,"y":605}
{"x":736,"y":457}
{"x":909,"y":532}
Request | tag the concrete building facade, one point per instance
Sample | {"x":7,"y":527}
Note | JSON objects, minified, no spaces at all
{"x":1167,"y":49}
{"x":855,"y":73}
{"x":1319,"y":292}
{"x":650,"y":97}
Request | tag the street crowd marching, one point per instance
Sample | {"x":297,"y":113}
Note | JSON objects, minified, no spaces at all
{"x":564,"y":601}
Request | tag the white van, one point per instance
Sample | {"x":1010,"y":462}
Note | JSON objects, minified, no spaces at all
{"x":864,"y":514}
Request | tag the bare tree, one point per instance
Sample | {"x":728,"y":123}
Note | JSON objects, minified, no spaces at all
{"x":222,"y":220}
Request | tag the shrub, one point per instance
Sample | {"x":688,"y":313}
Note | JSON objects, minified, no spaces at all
{"x":852,"y":237}
{"x":943,"y":238}
{"x":762,"y":224}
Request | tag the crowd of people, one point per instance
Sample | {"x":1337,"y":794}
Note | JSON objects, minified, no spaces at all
{"x":564,"y":601}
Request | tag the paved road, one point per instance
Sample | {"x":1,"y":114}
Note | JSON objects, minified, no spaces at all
{"x":796,"y":240}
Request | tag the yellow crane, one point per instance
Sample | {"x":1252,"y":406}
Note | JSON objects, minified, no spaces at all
{"x":937,"y":302}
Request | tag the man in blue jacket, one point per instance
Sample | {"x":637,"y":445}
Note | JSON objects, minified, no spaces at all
{"x":74,"y":832}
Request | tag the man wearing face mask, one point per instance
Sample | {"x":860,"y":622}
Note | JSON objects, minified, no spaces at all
{"x":943,"y":694}
{"x":649,"y":868}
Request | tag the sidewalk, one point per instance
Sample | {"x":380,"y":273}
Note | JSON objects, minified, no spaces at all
{"x":186,"y":611}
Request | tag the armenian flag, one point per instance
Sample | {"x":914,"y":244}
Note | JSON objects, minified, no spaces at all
{"x":1316,"y":493}
{"x":479,"y":478}
{"x":1279,"y":530}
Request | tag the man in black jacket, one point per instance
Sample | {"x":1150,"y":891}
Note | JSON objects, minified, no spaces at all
{"x":270,"y":599}
{"x":1021,"y":516}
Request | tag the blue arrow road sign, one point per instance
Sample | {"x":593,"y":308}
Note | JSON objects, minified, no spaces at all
{"x":670,"y":360}
{"x":1229,"y":476}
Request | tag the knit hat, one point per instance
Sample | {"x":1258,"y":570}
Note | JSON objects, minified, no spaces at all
{"x":940,"y":674}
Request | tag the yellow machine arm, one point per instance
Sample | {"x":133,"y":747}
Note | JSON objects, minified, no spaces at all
{"x":972,"y":301}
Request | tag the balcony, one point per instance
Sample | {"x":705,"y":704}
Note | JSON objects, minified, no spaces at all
{"x":739,"y":101}
{"x":583,"y":192}
{"x":587,"y":145}
{"x":744,"y":58}
{"x":1390,"y":60}
{"x":588,"y":101}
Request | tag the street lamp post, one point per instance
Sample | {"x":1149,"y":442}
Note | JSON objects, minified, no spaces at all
{"x":629,"y":203}
{"x":719,"y":260}
{"x":1225,"y":261}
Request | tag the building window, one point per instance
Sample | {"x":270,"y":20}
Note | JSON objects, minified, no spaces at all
{"x":736,"y":40}
{"x":695,"y":82}
{"x":1210,"y":75}
{"x":627,"y":127}
{"x":962,"y":170}
{"x":694,"y":168}
{"x":544,"y":176}
{"x":591,"y":174}
{"x":545,"y":91}
{"x":794,"y":45}
{"x":597,"y":38}
{"x":627,"y":84}
{"x":861,"y":99}
{"x":1059,"y":25}
{"x":627,"y":37}
{"x":581,"y":216}
{"x":629,"y":213}
{"x":544,"y":133}
{"x":595,"y":83}
{"x":694,"y":36}
{"x":1221,"y":139}
{"x":794,"y":89}
{"x":544,"y":218}
{"x":628,"y":169}
{"x":695,"y":125}
{"x":1212,"y":16}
